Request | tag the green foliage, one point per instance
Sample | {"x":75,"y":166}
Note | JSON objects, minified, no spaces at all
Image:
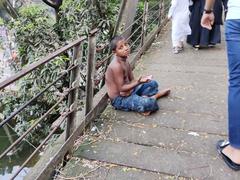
{"x":37,"y":34}
{"x":152,"y":19}
{"x":79,"y":17}
{"x":1,"y":41}
{"x":36,"y":37}
{"x":1,"y":22}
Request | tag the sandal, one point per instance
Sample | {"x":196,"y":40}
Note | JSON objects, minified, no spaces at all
{"x":175,"y":50}
{"x":221,"y":144}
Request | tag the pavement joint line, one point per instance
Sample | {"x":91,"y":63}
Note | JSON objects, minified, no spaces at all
{"x":118,"y":140}
{"x":186,"y":65}
{"x":193,"y":72}
{"x":113,"y":140}
{"x":138,"y":168}
{"x":190,"y":112}
{"x":173,"y":128}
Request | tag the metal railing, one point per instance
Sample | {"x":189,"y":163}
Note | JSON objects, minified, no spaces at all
{"x":137,"y":39}
{"x":71,"y":92}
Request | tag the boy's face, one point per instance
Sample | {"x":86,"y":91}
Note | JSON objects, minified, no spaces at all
{"x":122,"y":49}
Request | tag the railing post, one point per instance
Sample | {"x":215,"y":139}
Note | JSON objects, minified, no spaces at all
{"x":119,"y":19}
{"x":90,"y":72}
{"x":160,"y":13}
{"x":144,"y":24}
{"x":73,"y":94}
{"x":162,"y":10}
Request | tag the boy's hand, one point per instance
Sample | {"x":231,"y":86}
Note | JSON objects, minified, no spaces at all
{"x":125,"y":94}
{"x":145,"y":79}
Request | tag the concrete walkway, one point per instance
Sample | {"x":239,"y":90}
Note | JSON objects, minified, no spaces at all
{"x":177,"y":142}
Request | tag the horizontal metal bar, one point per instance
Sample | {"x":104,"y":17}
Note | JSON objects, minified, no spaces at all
{"x":31,"y":128}
{"x":63,"y":117}
{"x":35,"y":65}
{"x":93,"y":32}
{"x":103,"y":61}
{"x":134,"y":33}
{"x":138,"y":19}
{"x":132,"y":24}
{"x":157,"y":4}
{"x":136,"y":40}
{"x":153,"y":21}
{"x":34,"y":98}
{"x":19,"y":135}
{"x":29,"y":102}
{"x":157,"y":11}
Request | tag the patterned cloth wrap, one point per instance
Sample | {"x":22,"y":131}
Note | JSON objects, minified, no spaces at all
{"x":136,"y":100}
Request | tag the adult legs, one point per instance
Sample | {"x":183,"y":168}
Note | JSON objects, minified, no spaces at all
{"x":233,"y":50}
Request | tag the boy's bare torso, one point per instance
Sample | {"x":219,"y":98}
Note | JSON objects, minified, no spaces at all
{"x":118,"y":73}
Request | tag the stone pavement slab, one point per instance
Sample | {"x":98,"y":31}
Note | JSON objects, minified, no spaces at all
{"x":92,"y":170}
{"x":154,"y":159}
{"x":178,"y":141}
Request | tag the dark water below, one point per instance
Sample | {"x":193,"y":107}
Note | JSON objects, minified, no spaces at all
{"x":14,"y":159}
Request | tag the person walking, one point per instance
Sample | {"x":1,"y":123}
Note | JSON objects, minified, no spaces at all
{"x":230,"y":150}
{"x":179,"y":14}
{"x":203,"y":37}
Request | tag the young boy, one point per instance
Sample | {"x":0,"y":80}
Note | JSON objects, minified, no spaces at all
{"x":125,"y":92}
{"x":179,"y":14}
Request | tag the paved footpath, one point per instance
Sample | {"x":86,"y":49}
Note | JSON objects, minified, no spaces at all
{"x":177,"y":142}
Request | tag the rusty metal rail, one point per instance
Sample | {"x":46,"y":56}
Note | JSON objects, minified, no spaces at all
{"x":72,"y":91}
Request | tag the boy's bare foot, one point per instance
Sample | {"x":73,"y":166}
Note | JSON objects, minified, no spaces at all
{"x":162,"y":93}
{"x":146,"y":113}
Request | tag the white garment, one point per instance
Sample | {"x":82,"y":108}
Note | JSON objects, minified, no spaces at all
{"x":179,"y":13}
{"x":233,"y":9}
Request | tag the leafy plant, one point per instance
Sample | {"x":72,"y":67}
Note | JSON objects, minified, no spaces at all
{"x":77,"y":18}
{"x":37,"y":34}
{"x":36,"y":37}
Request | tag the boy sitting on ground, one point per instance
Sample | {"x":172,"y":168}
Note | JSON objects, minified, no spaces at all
{"x":125,"y":92}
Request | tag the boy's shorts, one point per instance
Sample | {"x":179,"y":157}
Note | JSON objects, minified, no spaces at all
{"x":136,"y":101}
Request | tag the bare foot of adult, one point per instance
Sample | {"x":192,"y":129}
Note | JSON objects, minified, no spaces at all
{"x":146,"y":113}
{"x":232,"y":153}
{"x":162,"y":93}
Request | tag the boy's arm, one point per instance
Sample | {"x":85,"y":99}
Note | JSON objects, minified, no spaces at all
{"x":130,"y":73}
{"x":118,"y":76}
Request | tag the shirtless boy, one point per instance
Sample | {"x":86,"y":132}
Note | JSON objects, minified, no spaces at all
{"x":125,"y":92}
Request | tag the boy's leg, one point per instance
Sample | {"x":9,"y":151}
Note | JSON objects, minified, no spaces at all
{"x":148,"y":89}
{"x":162,"y":93}
{"x":233,"y":48}
{"x":135,"y":103}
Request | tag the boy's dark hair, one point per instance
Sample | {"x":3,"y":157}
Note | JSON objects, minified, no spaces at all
{"x":114,"y":41}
